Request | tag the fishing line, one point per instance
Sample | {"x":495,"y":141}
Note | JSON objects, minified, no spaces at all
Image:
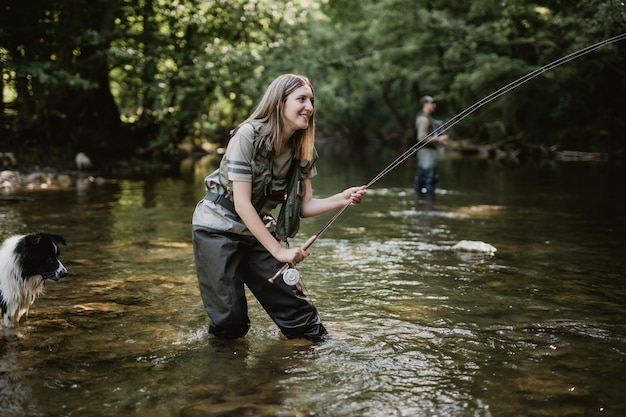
{"x":514,"y":84}
{"x":447,"y":125}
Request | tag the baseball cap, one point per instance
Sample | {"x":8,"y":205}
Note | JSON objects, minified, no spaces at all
{"x":427,"y":99}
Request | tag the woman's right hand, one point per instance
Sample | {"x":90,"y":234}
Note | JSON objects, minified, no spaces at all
{"x":291,"y":256}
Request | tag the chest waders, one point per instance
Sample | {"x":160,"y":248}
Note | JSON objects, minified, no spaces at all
{"x":226,"y":261}
{"x":427,"y":178}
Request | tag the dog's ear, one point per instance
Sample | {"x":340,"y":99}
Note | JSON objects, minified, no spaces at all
{"x":33,"y":238}
{"x":58,"y":238}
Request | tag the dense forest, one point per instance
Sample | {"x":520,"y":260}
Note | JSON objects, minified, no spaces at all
{"x":147,"y":79}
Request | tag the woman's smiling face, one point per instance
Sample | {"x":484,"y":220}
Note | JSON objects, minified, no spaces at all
{"x":298,"y":110}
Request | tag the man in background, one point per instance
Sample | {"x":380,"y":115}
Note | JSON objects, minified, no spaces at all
{"x":426,"y":179}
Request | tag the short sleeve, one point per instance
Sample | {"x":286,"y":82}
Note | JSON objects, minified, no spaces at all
{"x":239,"y":154}
{"x":310,"y":167}
{"x":423,"y":125}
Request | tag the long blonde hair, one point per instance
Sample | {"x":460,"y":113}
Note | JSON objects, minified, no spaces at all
{"x":270,"y":111}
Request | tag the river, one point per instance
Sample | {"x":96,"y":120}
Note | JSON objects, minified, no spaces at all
{"x":416,"y":329}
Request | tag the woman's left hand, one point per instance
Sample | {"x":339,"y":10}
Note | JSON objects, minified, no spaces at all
{"x":316,"y":206}
{"x":355,"y":194}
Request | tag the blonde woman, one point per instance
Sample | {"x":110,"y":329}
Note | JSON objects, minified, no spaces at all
{"x":232,"y":244}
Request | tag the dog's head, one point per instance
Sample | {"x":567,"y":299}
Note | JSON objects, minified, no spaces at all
{"x":39,"y":255}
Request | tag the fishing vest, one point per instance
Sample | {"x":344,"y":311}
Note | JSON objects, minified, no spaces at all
{"x":433,"y":124}
{"x":262,"y":164}
{"x":430,"y":122}
{"x":288,"y":221}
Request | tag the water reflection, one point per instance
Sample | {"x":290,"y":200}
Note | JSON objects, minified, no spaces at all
{"x":417,"y":329}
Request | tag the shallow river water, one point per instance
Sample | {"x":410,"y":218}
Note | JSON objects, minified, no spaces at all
{"x":416,"y":329}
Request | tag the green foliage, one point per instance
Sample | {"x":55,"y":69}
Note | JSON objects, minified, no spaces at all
{"x":390,"y":52}
{"x":140,"y":78}
{"x":193,"y":68}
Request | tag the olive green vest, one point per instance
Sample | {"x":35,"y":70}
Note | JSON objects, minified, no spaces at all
{"x":288,"y":221}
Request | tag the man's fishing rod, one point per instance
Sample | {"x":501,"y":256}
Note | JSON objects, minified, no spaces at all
{"x":291,"y":275}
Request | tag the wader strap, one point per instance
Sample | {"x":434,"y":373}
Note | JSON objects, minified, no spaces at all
{"x":222,"y":200}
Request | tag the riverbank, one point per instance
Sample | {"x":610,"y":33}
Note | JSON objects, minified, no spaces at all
{"x":17,"y":175}
{"x":12,"y":181}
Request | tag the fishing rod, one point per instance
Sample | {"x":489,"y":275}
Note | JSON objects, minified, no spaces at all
{"x":496,"y":94}
{"x":291,"y":276}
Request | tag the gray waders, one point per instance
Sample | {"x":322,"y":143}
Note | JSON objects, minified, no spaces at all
{"x":224,"y":263}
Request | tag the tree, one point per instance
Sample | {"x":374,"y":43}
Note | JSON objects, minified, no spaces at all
{"x":120,"y":78}
{"x":381,"y":56}
{"x":55,"y":56}
{"x":126,"y":79}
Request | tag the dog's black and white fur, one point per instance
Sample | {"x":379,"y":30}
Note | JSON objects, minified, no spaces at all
{"x":26,"y":262}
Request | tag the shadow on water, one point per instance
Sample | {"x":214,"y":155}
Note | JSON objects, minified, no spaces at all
{"x":416,"y":328}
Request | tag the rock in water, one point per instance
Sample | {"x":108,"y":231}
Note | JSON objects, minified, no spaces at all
{"x":474,"y":246}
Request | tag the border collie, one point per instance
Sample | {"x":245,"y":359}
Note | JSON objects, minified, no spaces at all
{"x":26,"y":262}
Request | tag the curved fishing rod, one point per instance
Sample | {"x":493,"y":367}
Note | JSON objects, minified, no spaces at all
{"x":514,"y":84}
{"x":453,"y":121}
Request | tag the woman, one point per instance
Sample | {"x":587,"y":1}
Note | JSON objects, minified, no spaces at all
{"x":232,"y":245}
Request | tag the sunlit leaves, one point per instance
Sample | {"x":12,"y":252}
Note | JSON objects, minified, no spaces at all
{"x":210,"y":57}
{"x":192,"y":69}
{"x":381,"y":56}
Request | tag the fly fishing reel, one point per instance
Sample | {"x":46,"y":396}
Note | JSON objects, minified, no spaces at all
{"x":291,"y":276}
